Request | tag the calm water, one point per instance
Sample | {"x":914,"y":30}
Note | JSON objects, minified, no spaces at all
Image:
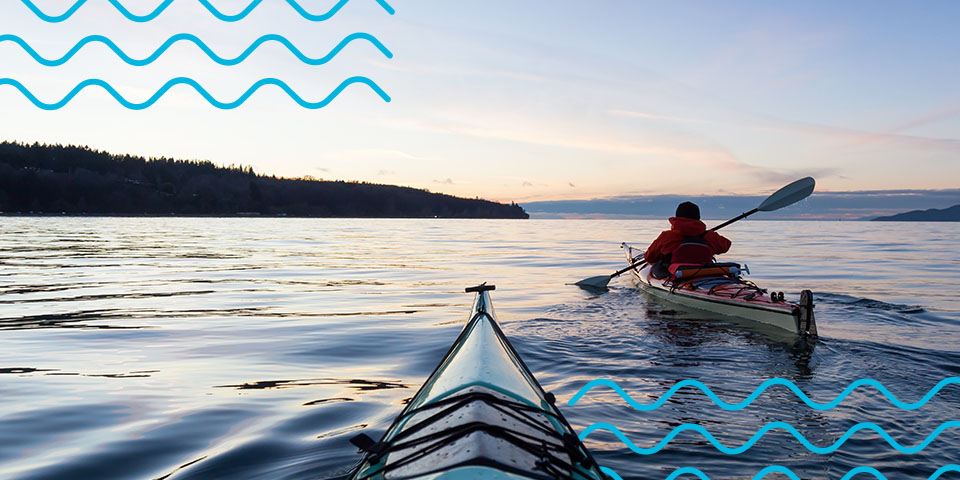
{"x":255,"y":348}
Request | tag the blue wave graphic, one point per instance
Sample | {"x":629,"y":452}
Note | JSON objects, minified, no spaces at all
{"x":763,"y":387}
{"x":610,"y":473}
{"x":196,"y":86}
{"x":206,"y":4}
{"x":186,"y":37}
{"x":789,"y":473}
{"x":763,"y":431}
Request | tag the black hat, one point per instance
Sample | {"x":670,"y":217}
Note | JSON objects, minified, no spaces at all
{"x":688,"y":210}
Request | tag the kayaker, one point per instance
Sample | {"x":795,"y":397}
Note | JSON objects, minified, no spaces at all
{"x":686,"y":243}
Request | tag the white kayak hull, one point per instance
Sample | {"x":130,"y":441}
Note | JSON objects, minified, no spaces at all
{"x":759,"y":308}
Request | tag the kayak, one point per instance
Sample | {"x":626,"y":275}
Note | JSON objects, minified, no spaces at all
{"x":481,"y":414}
{"x":728,"y":294}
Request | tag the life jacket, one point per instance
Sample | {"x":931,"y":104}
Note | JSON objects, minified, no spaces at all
{"x":693,"y":250}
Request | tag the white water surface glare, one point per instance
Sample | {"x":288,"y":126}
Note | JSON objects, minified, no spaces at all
{"x":201,"y":348}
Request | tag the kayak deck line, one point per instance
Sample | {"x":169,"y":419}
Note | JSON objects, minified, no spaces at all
{"x":730,"y":296}
{"x":480,"y":414}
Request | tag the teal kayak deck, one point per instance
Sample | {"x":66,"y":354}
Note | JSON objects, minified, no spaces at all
{"x":480,"y":414}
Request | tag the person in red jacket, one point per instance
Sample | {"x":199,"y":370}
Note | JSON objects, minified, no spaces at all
{"x":688,"y":242}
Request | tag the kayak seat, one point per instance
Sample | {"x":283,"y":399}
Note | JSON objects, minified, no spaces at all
{"x":660,"y":270}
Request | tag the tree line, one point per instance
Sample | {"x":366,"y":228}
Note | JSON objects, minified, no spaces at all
{"x":41,"y":178}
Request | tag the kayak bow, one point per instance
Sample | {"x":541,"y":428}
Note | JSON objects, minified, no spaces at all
{"x":728,"y":295}
{"x":480,"y":414}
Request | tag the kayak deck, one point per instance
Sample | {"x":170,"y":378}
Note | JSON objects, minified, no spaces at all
{"x":480,"y":414}
{"x":728,"y":295}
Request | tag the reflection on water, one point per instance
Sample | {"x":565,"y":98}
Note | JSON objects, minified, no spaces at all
{"x":356,"y":384}
{"x":254,"y":348}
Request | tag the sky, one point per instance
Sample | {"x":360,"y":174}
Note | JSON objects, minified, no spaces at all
{"x":524,"y":101}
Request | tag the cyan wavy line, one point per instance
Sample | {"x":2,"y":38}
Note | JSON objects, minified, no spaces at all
{"x":186,"y":37}
{"x":206,"y":4}
{"x":196,"y":86}
{"x":763,"y":387}
{"x":786,"y":471}
{"x":610,"y":473}
{"x":763,"y":431}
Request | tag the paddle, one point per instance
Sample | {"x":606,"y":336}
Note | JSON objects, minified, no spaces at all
{"x":786,"y":196}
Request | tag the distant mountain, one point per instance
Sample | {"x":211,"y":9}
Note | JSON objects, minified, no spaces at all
{"x":854,"y":205}
{"x":951,"y":214}
{"x":78,"y":180}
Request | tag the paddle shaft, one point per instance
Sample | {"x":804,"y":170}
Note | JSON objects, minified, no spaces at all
{"x":714,"y":229}
{"x":741,"y":217}
{"x":618,"y":272}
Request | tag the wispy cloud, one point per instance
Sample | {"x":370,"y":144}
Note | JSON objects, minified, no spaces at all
{"x":375,"y":153}
{"x":687,"y":148}
{"x":846,"y":135}
{"x":934,"y":116}
{"x":653,"y":116}
{"x":850,"y":137}
{"x":520,"y":133}
{"x":412,"y":67}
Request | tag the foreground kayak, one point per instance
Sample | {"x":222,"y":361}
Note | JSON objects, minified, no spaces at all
{"x":480,"y":415}
{"x":728,"y":295}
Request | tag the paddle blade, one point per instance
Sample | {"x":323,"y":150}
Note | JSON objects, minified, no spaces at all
{"x":788,"y":195}
{"x":598,"y":282}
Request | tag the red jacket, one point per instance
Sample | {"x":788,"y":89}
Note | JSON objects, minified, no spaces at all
{"x":669,"y":240}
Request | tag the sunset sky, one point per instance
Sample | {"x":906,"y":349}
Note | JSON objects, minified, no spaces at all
{"x":525,"y":101}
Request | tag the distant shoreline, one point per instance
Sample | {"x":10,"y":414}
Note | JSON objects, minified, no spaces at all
{"x":237,"y":215}
{"x":949,"y":214}
{"x":250,"y":215}
{"x":71,"y":180}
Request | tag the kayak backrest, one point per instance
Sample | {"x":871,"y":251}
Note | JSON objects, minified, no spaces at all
{"x":692,"y":250}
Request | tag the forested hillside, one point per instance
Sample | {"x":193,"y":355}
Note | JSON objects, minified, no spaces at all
{"x":79,"y":180}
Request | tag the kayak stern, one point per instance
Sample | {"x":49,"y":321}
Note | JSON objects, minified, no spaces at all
{"x":742,"y":300}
